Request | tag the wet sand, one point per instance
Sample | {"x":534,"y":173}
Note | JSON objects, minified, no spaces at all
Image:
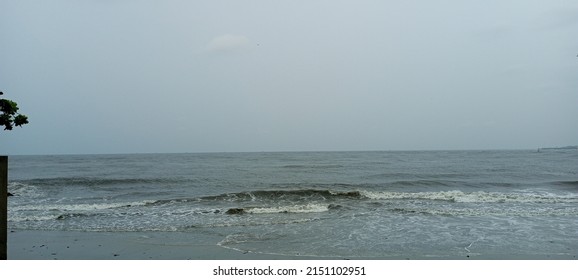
{"x":75,"y":245}
{"x":71,"y":245}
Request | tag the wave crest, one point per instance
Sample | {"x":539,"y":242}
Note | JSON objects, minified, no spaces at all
{"x":80,"y":207}
{"x":474,"y":197}
{"x":306,"y":208}
{"x":290,"y":195}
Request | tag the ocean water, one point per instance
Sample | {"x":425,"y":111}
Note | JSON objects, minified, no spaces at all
{"x":390,"y":205}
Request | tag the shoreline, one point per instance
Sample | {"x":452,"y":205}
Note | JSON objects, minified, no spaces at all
{"x":84,"y":245}
{"x":77,"y":245}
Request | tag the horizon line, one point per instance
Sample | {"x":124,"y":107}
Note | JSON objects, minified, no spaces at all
{"x":301,"y":151}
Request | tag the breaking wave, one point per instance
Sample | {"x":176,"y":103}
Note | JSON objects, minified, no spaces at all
{"x":307,"y":208}
{"x":474,"y":197}
{"x":21,"y":189}
{"x":290,"y":195}
{"x":280,"y":206}
{"x":450,"y":196}
{"x":79,"y":207}
{"x":489,"y":211}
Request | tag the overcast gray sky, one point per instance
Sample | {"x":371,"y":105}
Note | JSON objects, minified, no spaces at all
{"x":126,"y":76}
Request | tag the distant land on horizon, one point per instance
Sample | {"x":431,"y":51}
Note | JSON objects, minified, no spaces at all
{"x":561,"y":148}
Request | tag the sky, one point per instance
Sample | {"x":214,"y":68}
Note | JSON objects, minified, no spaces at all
{"x":146,"y":76}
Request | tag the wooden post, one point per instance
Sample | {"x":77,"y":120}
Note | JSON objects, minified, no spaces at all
{"x":3,"y":207}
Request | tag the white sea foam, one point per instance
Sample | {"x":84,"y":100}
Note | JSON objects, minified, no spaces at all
{"x":257,"y":222}
{"x":24,"y":190}
{"x":78,"y":207}
{"x":474,"y":197}
{"x":492,"y":211}
{"x":307,"y":208}
{"x":27,"y":218}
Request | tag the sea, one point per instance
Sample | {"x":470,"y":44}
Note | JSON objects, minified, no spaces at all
{"x":504,"y":204}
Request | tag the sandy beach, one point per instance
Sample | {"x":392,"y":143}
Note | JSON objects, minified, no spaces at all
{"x":74,"y":245}
{"x":32,"y":247}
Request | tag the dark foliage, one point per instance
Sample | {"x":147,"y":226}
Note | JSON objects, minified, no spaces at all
{"x":10,"y":117}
